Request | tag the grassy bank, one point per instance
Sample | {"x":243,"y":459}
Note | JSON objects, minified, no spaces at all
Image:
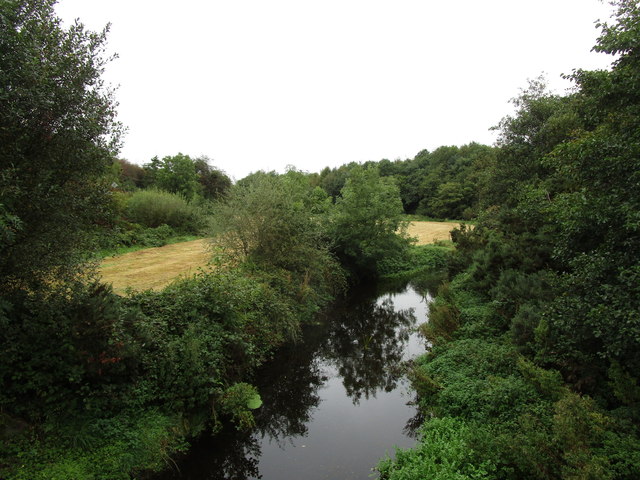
{"x":136,"y":377}
{"x":155,"y":268}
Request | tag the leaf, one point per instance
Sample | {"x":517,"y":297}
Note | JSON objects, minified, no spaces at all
{"x":254,"y":401}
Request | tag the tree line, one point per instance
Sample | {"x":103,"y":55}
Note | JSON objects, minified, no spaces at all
{"x":96,"y":385}
{"x":533,"y":367}
{"x":448,"y":183}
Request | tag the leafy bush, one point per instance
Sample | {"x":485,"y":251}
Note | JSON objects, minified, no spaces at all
{"x":278,"y":224}
{"x":58,"y":136}
{"x":445,"y":452}
{"x":116,"y":448}
{"x":149,"y":237}
{"x":416,"y":259}
{"x":153,"y":208}
{"x":238,"y":401}
{"x":478,"y":380}
{"x":93,"y":355}
{"x":60,"y":350}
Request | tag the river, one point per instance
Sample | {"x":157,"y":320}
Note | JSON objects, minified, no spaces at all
{"x":334,"y":403}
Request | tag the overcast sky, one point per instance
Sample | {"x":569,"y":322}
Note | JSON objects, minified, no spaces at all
{"x":262,"y":84}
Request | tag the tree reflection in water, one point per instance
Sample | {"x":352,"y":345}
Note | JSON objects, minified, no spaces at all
{"x":230,"y":455}
{"x":289,"y":387}
{"x":362,"y":337}
{"x":366,"y":343}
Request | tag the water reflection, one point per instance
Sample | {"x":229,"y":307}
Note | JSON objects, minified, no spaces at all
{"x":366,"y":343}
{"x":230,"y":455}
{"x":289,"y":388}
{"x":350,"y":357}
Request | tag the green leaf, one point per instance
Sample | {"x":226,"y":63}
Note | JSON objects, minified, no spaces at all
{"x":254,"y":401}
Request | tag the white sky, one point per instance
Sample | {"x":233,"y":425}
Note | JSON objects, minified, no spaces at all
{"x":262,"y":84}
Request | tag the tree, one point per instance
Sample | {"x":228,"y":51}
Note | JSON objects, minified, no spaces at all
{"x":543,"y":120}
{"x":130,"y":175}
{"x":214,"y":182}
{"x":174,"y":174}
{"x":277,"y":222}
{"x":187,"y":177}
{"x":332,"y":180}
{"x":448,"y":200}
{"x":595,"y":324}
{"x":367,"y":225}
{"x":58,"y":136}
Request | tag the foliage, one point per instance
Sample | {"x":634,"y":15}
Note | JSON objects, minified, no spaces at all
{"x":95,"y":385}
{"x":449,"y":182}
{"x":278,"y":222}
{"x":58,"y":136}
{"x":190,"y":178}
{"x":99,"y":359}
{"x":445,"y":452}
{"x":174,"y":174}
{"x":80,"y":360}
{"x":238,"y":401}
{"x":153,"y":208}
{"x":138,"y":238}
{"x":129,"y":175}
{"x":367,"y":224}
{"x":214,"y":182}
{"x":150,"y":237}
{"x":110,"y":449}
{"x":536,"y":337}
{"x":532,"y":369}
{"x":444,"y":318}
{"x":332,"y":180}
{"x":419,"y":258}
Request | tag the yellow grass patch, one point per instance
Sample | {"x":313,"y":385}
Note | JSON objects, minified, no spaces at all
{"x":155,"y":268}
{"x":430,"y":232}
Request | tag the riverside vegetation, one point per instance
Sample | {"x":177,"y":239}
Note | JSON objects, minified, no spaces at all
{"x":533,"y":341}
{"x":533,"y":367}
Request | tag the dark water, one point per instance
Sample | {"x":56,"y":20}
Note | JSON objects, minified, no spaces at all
{"x":334,"y":404}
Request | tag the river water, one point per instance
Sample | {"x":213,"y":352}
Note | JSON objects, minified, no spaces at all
{"x":334,"y":403}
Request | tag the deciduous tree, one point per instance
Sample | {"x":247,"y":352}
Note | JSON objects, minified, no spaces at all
{"x":367,"y":223}
{"x":58,"y":136}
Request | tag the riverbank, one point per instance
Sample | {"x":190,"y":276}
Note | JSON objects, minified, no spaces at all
{"x":334,"y":403}
{"x":155,"y":268}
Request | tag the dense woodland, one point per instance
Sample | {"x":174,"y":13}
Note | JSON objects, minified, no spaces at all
{"x":533,"y":339}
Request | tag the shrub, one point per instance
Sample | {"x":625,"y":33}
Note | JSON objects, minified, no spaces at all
{"x":150,"y":237}
{"x":444,"y":317}
{"x":153,"y":208}
{"x":238,"y":401}
{"x":118,"y":448}
{"x":276,"y":223}
{"x":414,"y":260}
{"x":367,"y":224}
{"x":444,"y":453}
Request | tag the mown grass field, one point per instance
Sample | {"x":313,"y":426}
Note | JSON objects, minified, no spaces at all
{"x":155,"y":268}
{"x":430,"y":232}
